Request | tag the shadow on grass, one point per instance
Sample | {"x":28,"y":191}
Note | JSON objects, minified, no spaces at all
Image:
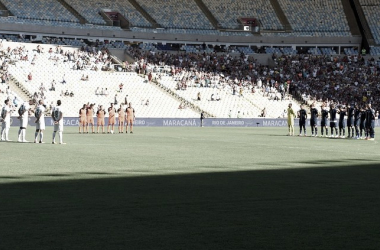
{"x":309,"y":208}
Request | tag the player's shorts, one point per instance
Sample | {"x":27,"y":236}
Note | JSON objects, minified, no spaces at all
{"x":121,"y":119}
{"x":130,"y":120}
{"x":370,"y":125}
{"x":357,"y":123}
{"x":302,"y":123}
{"x":350,"y":122}
{"x":90,"y":120}
{"x":82,"y":120}
{"x":58,"y":127}
{"x":313,"y":123}
{"x":332,"y":124}
{"x":24,"y":122}
{"x":100,"y":122}
{"x":323,"y":123}
{"x":40,"y":125}
{"x":342,"y":125}
{"x":362,"y":125}
{"x":6,"y":124}
{"x":111,"y":121}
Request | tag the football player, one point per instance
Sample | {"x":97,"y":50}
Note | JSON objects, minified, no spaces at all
{"x":333,"y":118}
{"x":357,"y":116}
{"x":313,"y":120}
{"x":350,"y":120}
{"x":39,"y":113}
{"x":302,"y":115}
{"x":6,"y":120}
{"x":57,"y":115}
{"x":370,"y":122}
{"x":324,"y":117}
{"x":342,"y":126}
{"x":23,"y":112}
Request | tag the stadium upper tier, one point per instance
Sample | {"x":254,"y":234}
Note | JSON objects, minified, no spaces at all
{"x":315,"y":16}
{"x":183,"y":14}
{"x":50,"y":10}
{"x":371,"y":9}
{"x":228,"y":11}
{"x":306,"y":17}
{"x":90,"y":10}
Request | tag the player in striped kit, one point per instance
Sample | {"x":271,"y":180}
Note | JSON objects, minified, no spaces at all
{"x":370,"y":122}
{"x":350,"y":120}
{"x":333,"y":118}
{"x":357,"y":116}
{"x":342,"y":126}
{"x":313,"y":120}
{"x":324,"y":117}
{"x":302,"y":115}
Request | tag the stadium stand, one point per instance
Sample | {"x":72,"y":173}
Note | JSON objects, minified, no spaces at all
{"x":48,"y":10}
{"x":309,"y":16}
{"x":228,"y":11}
{"x":90,"y":10}
{"x":57,"y":24}
{"x":48,"y":67}
{"x":176,"y":14}
{"x":371,"y":10}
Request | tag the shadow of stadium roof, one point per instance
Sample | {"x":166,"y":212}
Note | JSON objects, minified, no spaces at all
{"x":304,"y":208}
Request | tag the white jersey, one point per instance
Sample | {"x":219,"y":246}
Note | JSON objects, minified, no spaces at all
{"x":40,"y":125}
{"x":5,"y":114}
{"x":25,"y":110}
{"x":40,"y":111}
{"x":57,"y":113}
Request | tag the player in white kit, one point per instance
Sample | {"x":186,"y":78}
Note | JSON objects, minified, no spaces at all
{"x":6,"y":121}
{"x":39,"y":113}
{"x":57,"y":115}
{"x":24,"y":118}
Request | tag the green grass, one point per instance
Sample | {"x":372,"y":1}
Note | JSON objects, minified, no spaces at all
{"x":189,"y":188}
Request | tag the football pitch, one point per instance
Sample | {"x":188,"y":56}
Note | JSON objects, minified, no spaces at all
{"x":189,"y":188}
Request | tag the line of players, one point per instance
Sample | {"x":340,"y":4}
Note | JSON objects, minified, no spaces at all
{"x":39,"y":112}
{"x":360,"y":121}
{"x":86,"y":118}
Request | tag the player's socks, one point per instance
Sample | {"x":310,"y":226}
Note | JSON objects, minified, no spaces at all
{"x":54,"y":137}
{"x":41,"y":136}
{"x":60,"y":137}
{"x":7,"y":134}
{"x":23,"y":135}
{"x":3,"y":134}
{"x":19,"y":134}
{"x":35,"y":137}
